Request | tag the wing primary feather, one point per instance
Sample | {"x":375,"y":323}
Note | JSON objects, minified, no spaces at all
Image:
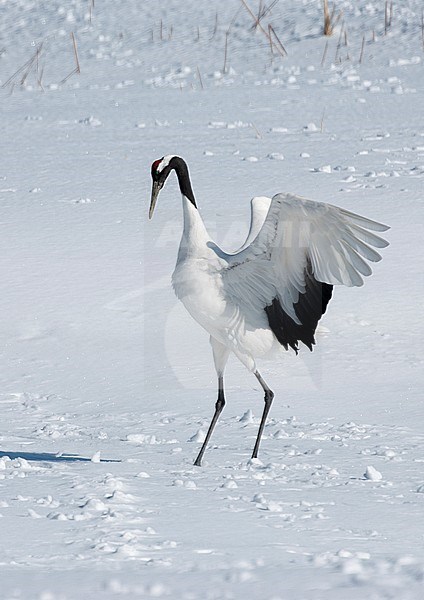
{"x":362,"y":248}
{"x":356,"y":261}
{"x":368,"y":237}
{"x":363,"y":221}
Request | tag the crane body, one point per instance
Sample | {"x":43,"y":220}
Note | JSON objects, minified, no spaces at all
{"x":198,"y":282}
{"x":273,"y":291}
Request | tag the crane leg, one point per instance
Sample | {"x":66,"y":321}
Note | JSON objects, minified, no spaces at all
{"x":220,"y":356}
{"x":220,"y":403}
{"x":269,"y":396}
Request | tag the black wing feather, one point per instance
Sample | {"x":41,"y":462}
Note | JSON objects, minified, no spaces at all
{"x":309,"y":309}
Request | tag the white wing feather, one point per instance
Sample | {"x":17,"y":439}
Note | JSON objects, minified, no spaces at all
{"x":259,"y":207}
{"x":296,"y":230}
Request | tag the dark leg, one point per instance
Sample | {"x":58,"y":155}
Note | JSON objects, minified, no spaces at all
{"x":269,"y":395}
{"x":220,"y":403}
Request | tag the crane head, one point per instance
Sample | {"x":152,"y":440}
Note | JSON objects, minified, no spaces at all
{"x":160,"y":170}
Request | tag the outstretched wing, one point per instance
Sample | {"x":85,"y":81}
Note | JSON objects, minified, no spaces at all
{"x":289,"y":269}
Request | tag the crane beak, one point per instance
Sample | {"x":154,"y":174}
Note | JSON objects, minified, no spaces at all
{"x":156,"y":188}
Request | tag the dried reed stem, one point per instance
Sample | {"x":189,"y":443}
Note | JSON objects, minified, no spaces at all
{"x":362,"y":50}
{"x":77,"y":69}
{"x":330,"y":20}
{"x":74,"y":43}
{"x":65,"y":79}
{"x":324,"y":54}
{"x":328,"y":29}
{"x":215,"y":29}
{"x":322,"y":121}
{"x":200,"y":78}
{"x":258,"y":23}
{"x":271,"y":45}
{"x":258,"y":133}
{"x":339,"y":43}
{"x":40,"y":79}
{"x":224,"y":68}
{"x":388,"y":16}
{"x":262,"y":12}
{"x":280,"y":46}
{"x":25,"y":69}
{"x":422,"y":27}
{"x":91,"y":10}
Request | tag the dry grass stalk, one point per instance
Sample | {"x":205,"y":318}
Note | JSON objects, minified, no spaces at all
{"x":40,"y":80}
{"x":388,"y":16}
{"x":215,"y":29}
{"x":25,"y":69}
{"x":271,"y":45}
{"x":32,"y":62}
{"x":74,"y":43}
{"x":258,"y":133}
{"x":263,"y":10}
{"x":328,"y":28}
{"x":224,"y":68}
{"x":330,"y":19}
{"x":39,"y":72}
{"x":322,"y":121}
{"x":200,"y":78}
{"x":65,"y":79}
{"x":258,"y":24}
{"x":77,"y":69}
{"x":260,"y":11}
{"x":324,"y":54}
{"x":422,"y":27}
{"x":339,"y":43}
{"x":362,"y":50}
{"x":27,"y":72}
{"x":91,"y":9}
{"x":280,"y":46}
{"x":227,"y":33}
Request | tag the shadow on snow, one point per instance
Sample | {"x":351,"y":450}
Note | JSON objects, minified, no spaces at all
{"x":48,"y":457}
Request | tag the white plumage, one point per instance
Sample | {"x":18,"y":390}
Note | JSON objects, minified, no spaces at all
{"x":273,"y":291}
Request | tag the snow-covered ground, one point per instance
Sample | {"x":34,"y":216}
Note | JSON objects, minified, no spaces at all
{"x":107,"y":386}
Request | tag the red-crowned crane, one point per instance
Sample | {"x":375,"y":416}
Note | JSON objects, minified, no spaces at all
{"x":274,"y":290}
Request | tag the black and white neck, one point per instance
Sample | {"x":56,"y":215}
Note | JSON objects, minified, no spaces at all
{"x":195,"y":236}
{"x":163,"y":167}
